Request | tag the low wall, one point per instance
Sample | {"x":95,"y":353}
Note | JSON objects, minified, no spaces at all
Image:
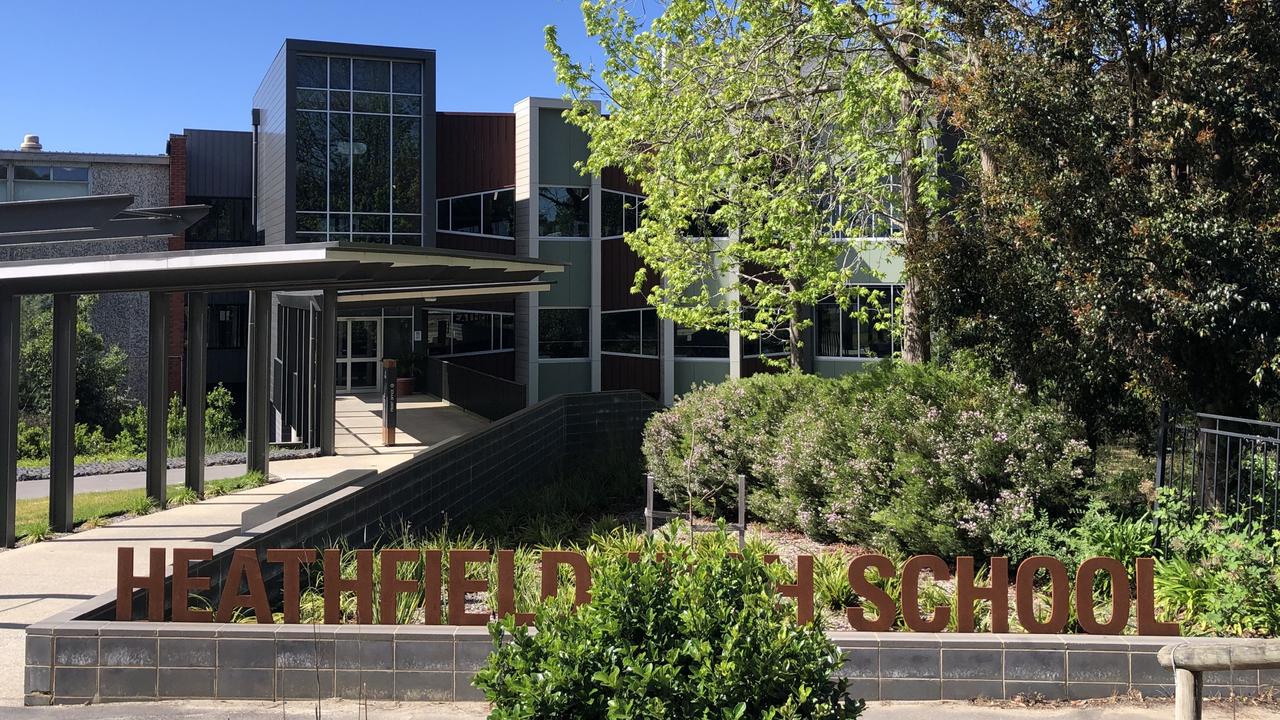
{"x":79,"y":662}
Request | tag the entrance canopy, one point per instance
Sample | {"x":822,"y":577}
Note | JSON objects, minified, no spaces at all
{"x":312,"y":266}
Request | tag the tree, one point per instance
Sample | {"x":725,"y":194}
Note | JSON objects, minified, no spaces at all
{"x":1126,"y":217}
{"x":101,"y":397}
{"x":778,"y":124}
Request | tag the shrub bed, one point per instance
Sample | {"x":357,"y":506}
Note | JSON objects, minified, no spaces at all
{"x":903,"y":458}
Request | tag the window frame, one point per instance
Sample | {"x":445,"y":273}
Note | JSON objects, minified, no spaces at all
{"x":440,"y":217}
{"x":641,"y":339}
{"x":893,"y":293}
{"x":495,"y":331}
{"x":586,"y":340}
{"x":590,"y":212}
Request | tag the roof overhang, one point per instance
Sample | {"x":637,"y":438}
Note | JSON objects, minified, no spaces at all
{"x":94,"y":217}
{"x":310,"y":266}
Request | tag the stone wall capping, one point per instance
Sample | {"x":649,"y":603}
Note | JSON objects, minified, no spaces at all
{"x":246,"y":630}
{"x":187,"y":629}
{"x":133,"y":629}
{"x":79,"y":628}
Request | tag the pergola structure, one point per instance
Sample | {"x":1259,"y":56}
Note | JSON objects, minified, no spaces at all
{"x":334,"y":270}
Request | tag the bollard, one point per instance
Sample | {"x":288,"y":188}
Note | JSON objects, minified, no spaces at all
{"x":388,"y":402}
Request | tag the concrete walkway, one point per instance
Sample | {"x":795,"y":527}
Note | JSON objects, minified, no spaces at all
{"x":46,"y":578}
{"x":351,"y":710}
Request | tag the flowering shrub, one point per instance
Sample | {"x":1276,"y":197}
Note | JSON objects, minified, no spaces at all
{"x":907,"y":458}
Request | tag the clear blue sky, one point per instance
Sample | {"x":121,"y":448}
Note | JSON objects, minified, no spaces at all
{"x":102,"y":76}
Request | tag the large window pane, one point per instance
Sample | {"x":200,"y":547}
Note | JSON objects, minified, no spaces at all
{"x":611,"y":204}
{"x":372,"y":75}
{"x":620,"y":332}
{"x":562,"y":332}
{"x":507,"y":333}
{"x":408,"y":77}
{"x":649,"y":332}
{"x":564,"y":212}
{"x":312,"y":158}
{"x":340,"y":162}
{"x":340,"y":73}
{"x":701,"y":343}
{"x":827,"y":318}
{"x":31,"y":172}
{"x":500,"y":213}
{"x":312,"y":71}
{"x":71,"y":174}
{"x":439,"y":341}
{"x":371,"y":163}
{"x":473,"y":332}
{"x":466,"y":214}
{"x":408,"y":165}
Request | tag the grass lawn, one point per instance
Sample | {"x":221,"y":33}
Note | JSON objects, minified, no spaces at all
{"x":93,"y":507}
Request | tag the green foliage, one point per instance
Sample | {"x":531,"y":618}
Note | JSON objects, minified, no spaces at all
{"x":701,"y":635}
{"x":1117,"y":238}
{"x":1220,"y":574}
{"x":100,"y":369}
{"x":763,"y":118}
{"x":1102,"y":533}
{"x":184,"y":496}
{"x":910,"y":458}
{"x":225,"y":486}
{"x":142,"y":505}
{"x":33,"y":441}
{"x":36,"y":532}
{"x":219,"y":418}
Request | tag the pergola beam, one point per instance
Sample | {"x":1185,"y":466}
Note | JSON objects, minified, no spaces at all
{"x":62,"y":441}
{"x":10,"y":317}
{"x":158,"y":398}
{"x":196,"y":379}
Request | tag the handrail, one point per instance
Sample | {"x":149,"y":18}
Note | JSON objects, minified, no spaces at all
{"x":487,"y":395}
{"x":1190,"y":660}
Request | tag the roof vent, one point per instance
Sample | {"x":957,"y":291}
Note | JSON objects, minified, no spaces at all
{"x":31,"y":143}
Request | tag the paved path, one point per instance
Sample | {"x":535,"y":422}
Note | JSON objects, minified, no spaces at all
{"x":46,"y":578}
{"x":350,"y":710}
{"x":28,"y":489}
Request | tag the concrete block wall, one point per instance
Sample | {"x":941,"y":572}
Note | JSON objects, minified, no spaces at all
{"x":75,"y":662}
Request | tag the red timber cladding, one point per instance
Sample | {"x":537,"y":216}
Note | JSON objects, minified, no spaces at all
{"x":618,"y":266}
{"x":624,"y":372}
{"x":614,"y":179}
{"x":474,"y":152}
{"x":177,"y":150}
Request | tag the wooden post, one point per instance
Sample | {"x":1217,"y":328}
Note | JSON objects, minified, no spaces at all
{"x":1188,"y":692}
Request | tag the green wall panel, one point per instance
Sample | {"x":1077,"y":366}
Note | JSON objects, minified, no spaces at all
{"x":560,"y":145}
{"x":687,"y":374}
{"x":555,"y":378}
{"x":572,"y":287}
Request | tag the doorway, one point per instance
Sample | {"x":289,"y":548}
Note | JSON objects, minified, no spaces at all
{"x":359,"y":355}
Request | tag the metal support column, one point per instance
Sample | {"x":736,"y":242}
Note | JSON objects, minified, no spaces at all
{"x":326,"y":370}
{"x":258,"y":407}
{"x":62,"y":445}
{"x":10,"y":315}
{"x":158,"y":398}
{"x":197,"y":362}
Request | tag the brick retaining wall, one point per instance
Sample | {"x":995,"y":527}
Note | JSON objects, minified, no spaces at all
{"x":79,"y":662}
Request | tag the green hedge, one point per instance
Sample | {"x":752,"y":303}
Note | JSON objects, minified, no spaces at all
{"x":908,"y":458}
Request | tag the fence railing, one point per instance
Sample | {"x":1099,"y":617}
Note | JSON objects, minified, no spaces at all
{"x":486,"y":395}
{"x":1222,"y":462}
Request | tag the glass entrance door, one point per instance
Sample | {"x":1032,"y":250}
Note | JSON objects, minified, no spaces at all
{"x":359,"y":354}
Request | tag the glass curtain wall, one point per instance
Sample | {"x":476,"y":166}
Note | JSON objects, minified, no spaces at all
{"x":359,"y":150}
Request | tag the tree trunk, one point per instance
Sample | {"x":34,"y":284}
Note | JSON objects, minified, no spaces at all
{"x":916,"y":346}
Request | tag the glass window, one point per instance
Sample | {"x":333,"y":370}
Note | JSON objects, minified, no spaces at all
{"x":507,"y":331}
{"x":437,"y":332}
{"x":611,"y":209}
{"x":313,"y":72}
{"x":442,"y":214}
{"x":633,"y":332}
{"x":340,"y":150}
{"x":227,"y":326}
{"x":340,"y":100}
{"x":631,"y":214}
{"x":563,"y":332}
{"x":564,"y":212}
{"x":500,"y":213}
{"x":229,"y":221}
{"x":364,"y":102}
{"x":472,"y":332}
{"x":371,"y":163}
{"x":311,"y":99}
{"x":340,"y":73}
{"x":373,"y":75}
{"x":312,"y":132}
{"x":71,"y":174}
{"x":701,"y":343}
{"x":465,"y":213}
{"x":407,"y":105}
{"x":408,"y":77}
{"x":408,"y":165}
{"x":29,"y":172}
{"x":840,"y":334}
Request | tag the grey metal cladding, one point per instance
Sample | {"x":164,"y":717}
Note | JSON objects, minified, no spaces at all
{"x":271,"y":99}
{"x":219,"y":163}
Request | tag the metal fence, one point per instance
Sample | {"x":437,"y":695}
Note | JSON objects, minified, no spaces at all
{"x":1222,"y":462}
